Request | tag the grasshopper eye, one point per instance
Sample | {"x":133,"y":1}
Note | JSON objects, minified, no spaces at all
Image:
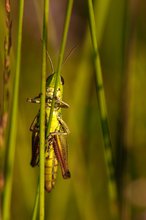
{"x":62,"y":80}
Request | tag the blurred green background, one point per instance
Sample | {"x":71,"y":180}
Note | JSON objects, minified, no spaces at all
{"x":121,"y":34}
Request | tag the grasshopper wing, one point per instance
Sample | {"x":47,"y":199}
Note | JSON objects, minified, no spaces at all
{"x":60,"y":148}
{"x":35,"y":149}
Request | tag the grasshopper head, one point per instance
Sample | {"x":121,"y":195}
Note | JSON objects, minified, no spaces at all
{"x":50,"y":84}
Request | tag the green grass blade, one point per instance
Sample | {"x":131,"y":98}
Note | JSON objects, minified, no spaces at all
{"x":60,"y":60}
{"x":11,"y":141}
{"x":103,"y":116}
{"x":42,"y":111}
{"x":35,"y":209}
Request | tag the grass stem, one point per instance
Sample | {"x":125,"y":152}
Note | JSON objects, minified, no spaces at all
{"x":35,"y":209}
{"x":42,"y":111}
{"x":103,"y":116}
{"x":11,"y":140}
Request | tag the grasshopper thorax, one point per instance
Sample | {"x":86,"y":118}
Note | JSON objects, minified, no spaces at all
{"x":50,"y":84}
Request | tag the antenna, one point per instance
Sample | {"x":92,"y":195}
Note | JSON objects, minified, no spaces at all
{"x":66,"y":58}
{"x":70,"y":52}
{"x":52,"y":67}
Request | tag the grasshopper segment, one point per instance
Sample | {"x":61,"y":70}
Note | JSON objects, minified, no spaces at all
{"x":51,"y":167}
{"x":55,"y":148}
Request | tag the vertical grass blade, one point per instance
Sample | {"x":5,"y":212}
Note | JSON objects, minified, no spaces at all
{"x":42,"y":111}
{"x":11,"y":140}
{"x":35,"y":209}
{"x":5,"y":91}
{"x":60,"y":60}
{"x":103,"y":116}
{"x":6,"y":73}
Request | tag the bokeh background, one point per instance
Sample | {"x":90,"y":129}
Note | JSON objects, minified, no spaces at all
{"x":121,"y":34}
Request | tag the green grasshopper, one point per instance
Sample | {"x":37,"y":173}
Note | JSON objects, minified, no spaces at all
{"x":55,"y":144}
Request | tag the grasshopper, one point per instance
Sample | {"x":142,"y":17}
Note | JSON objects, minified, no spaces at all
{"x":55,"y":144}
